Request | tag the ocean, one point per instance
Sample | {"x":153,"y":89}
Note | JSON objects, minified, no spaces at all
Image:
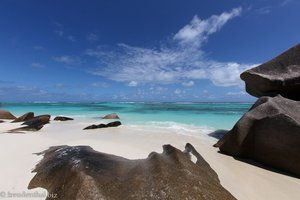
{"x":198,"y":118}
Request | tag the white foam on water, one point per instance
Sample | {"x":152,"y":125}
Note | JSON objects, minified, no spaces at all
{"x":178,"y":128}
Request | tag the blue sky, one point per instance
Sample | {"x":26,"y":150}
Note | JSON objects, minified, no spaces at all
{"x":138,"y":50}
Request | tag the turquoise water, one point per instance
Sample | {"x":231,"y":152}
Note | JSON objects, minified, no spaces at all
{"x":205,"y":115}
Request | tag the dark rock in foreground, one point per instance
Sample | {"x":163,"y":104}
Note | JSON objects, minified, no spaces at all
{"x":1,"y":121}
{"x":25,"y":117}
{"x":111,"y":124}
{"x":4,"y":114}
{"x":62,"y":118}
{"x":79,"y":172}
{"x":280,"y":75}
{"x":269,"y":133}
{"x":111,"y":116}
{"x":40,"y":119}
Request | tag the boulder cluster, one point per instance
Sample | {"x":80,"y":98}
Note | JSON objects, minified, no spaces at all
{"x":110,"y":124}
{"x":269,"y":133}
{"x":29,"y":122}
{"x":35,"y":123}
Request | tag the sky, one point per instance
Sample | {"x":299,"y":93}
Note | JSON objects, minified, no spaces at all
{"x":138,"y":50}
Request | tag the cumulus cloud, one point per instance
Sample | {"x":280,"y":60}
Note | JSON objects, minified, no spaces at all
{"x":180,"y":61}
{"x":68,"y":60}
{"x":227,"y":74}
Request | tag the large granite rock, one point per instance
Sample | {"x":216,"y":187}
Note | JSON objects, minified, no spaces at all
{"x":34,"y":124}
{"x":111,"y":124}
{"x":62,"y":118}
{"x":269,"y":133}
{"x":111,"y":116}
{"x":280,"y":75}
{"x":32,"y":127}
{"x":219,"y":133}
{"x":25,"y":117}
{"x":73,"y":173}
{"x":4,"y":114}
{"x":40,"y":119}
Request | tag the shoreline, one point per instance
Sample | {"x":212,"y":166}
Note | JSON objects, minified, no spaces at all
{"x":212,"y":116}
{"x":242,"y":180}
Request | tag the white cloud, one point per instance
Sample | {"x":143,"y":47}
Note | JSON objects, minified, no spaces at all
{"x":61,"y":31}
{"x":92,"y":37}
{"x":68,"y":60}
{"x":12,"y":93}
{"x":285,"y":2}
{"x":100,"y":84}
{"x":240,"y":93}
{"x":227,"y":74}
{"x":37,"y":65}
{"x":197,"y":31}
{"x":132,"y":84}
{"x":58,"y":29}
{"x":177,"y":91}
{"x":263,"y":10}
{"x":156,"y":90}
{"x":188,"y":84}
{"x":58,"y":25}
{"x":182,"y":61}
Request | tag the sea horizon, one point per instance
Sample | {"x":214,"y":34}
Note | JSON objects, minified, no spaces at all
{"x":129,"y":102}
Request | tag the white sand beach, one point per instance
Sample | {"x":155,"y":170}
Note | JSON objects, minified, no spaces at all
{"x":244,"y":181}
{"x":129,"y":78}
